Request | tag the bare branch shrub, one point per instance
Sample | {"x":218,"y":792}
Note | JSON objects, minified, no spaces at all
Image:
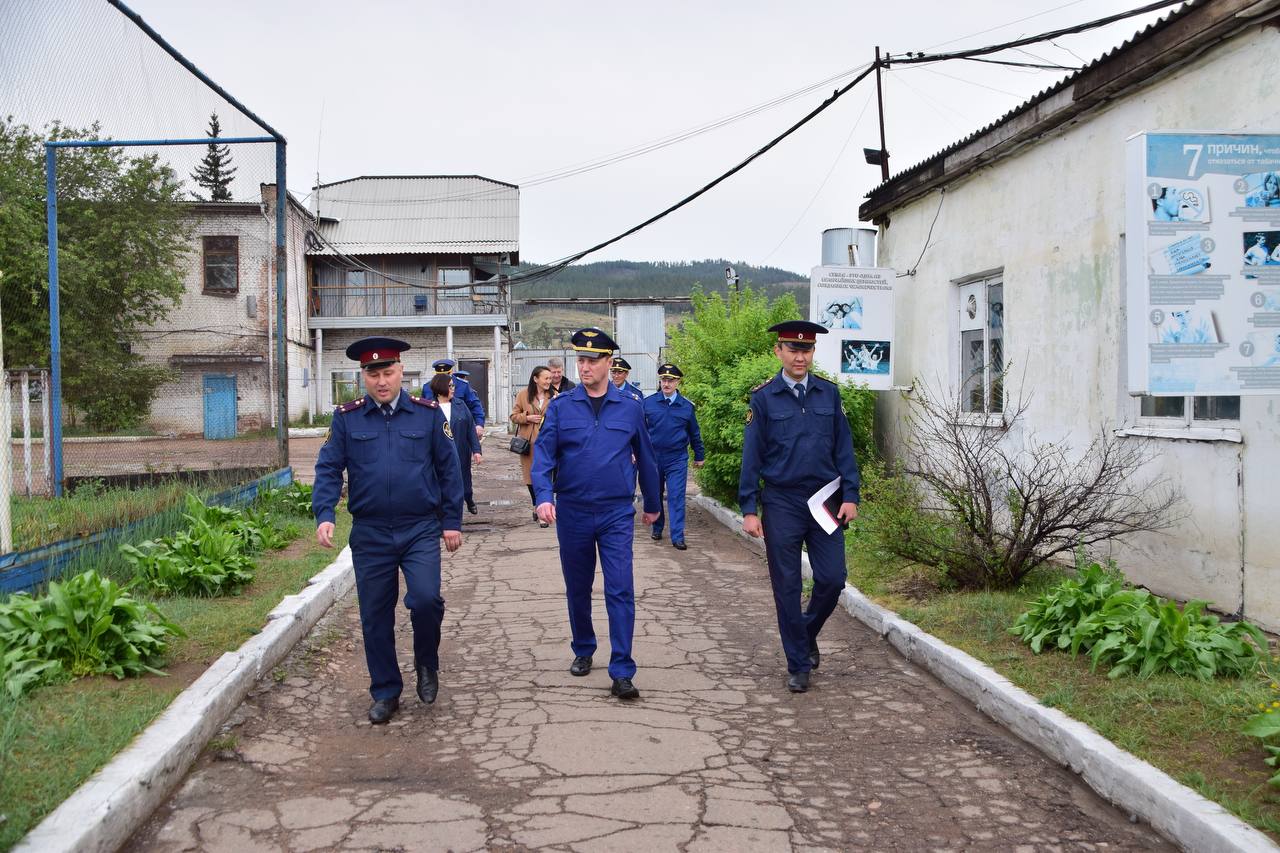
{"x":988,"y":503}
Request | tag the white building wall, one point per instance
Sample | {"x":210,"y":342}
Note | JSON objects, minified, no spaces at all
{"x":1052,"y":218}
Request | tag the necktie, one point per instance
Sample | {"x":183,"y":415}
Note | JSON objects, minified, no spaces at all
{"x":386,"y":410}
{"x":670,"y":402}
{"x":800,"y":394}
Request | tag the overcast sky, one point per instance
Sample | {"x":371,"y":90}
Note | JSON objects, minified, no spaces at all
{"x":511,"y":90}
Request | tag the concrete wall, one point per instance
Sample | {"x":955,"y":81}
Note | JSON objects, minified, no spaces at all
{"x":1052,"y":218}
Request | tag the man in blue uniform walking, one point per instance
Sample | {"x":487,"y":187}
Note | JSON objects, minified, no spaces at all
{"x":405,"y":495}
{"x":797,"y":440}
{"x":673,"y":428}
{"x":589,"y":437}
{"x":462,"y":392}
{"x":619,"y":370}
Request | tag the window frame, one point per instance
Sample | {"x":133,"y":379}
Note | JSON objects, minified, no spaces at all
{"x":987,"y":280}
{"x":457,"y":292}
{"x":206,"y":256}
{"x":1187,"y":420}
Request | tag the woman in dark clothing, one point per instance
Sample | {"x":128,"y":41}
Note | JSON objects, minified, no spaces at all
{"x":463,"y":427}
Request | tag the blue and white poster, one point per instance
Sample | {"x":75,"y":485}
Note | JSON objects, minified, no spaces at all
{"x":856,"y":306}
{"x":1202,"y":223}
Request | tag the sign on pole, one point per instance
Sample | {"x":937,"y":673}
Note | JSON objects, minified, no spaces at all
{"x":1202,"y":245}
{"x":856,"y":305}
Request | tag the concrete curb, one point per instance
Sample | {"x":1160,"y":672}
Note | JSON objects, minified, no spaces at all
{"x":1178,"y":813}
{"x":107,"y":809}
{"x":307,"y":432}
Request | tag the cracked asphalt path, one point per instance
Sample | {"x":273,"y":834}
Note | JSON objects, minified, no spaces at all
{"x":716,"y":755}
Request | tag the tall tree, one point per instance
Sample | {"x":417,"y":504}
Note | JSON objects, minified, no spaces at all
{"x":215,"y":171}
{"x":121,"y":245}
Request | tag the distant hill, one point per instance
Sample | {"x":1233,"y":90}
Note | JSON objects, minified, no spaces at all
{"x":662,"y":278}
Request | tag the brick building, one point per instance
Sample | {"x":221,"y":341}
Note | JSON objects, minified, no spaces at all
{"x":220,"y":340}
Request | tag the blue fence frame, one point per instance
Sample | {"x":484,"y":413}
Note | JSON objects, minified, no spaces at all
{"x":23,"y":571}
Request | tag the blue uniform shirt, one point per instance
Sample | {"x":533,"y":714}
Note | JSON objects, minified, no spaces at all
{"x":462,"y":392}
{"x":796,"y":448}
{"x":404,"y":466}
{"x":591,"y":456}
{"x":674,"y":427}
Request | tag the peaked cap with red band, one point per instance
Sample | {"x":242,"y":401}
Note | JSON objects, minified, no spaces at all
{"x":376,"y":352}
{"x":800,"y":334}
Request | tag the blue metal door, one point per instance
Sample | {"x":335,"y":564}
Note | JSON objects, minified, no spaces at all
{"x":219,"y":406}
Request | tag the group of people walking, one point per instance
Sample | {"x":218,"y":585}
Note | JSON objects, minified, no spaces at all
{"x":587,"y":446}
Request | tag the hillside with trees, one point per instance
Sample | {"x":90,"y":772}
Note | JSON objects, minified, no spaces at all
{"x":662,"y":278}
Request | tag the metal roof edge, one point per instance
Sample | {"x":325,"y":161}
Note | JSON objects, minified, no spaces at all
{"x":413,"y":178}
{"x":1135,"y":63}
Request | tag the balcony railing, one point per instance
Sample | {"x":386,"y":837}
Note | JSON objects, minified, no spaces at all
{"x":397,"y":300}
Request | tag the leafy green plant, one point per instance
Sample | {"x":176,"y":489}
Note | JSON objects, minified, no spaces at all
{"x":87,"y":625}
{"x":294,"y":499}
{"x":1134,"y":632}
{"x":1266,"y":723}
{"x":205,"y":563}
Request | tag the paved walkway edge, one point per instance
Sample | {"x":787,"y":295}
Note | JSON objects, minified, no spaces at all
{"x":1178,"y":813}
{"x":106,"y":810}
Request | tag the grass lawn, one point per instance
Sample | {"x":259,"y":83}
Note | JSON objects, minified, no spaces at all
{"x":1187,"y":728}
{"x":58,"y":736}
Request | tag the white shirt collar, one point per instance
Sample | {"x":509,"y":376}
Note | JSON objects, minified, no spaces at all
{"x":791,"y":383}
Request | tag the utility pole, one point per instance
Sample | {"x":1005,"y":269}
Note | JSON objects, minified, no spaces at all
{"x":884,"y":152}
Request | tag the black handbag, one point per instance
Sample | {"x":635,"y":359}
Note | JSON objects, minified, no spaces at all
{"x":519,"y":444}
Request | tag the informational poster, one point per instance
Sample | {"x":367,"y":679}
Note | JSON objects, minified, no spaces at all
{"x":856,"y":306}
{"x":1203,"y":263}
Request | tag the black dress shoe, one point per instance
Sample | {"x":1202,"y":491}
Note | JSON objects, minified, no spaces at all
{"x":471,"y":507}
{"x":581,"y":665}
{"x":383,"y":710}
{"x":815,"y":657}
{"x":428,"y":684}
{"x":624,"y":689}
{"x":798,"y":682}
{"x":679,"y":545}
{"x":655,"y":536}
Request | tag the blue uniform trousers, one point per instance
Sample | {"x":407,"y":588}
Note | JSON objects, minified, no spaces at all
{"x":380,"y":550}
{"x":582,"y":529}
{"x":788,"y":523}
{"x":675,"y":476}
{"x":464,"y":461}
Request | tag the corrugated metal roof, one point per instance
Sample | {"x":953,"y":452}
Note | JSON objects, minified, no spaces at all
{"x":402,"y":214}
{"x":881,"y":194}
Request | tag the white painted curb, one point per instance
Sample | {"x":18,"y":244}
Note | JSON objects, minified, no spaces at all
{"x":307,"y":432}
{"x":1178,"y":813}
{"x":104,"y":811}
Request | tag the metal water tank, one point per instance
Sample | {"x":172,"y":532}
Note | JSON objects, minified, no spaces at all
{"x":849,"y":247}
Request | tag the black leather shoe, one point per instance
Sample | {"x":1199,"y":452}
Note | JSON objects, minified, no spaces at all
{"x":815,"y":656}
{"x":471,"y":507}
{"x":798,"y":682}
{"x":679,"y":545}
{"x":655,"y":536}
{"x":581,"y":665}
{"x":383,"y":710}
{"x":624,"y":689}
{"x":428,"y":684}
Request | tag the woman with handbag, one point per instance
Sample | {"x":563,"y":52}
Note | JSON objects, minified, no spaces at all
{"x":526,"y":414}
{"x":463,"y":427}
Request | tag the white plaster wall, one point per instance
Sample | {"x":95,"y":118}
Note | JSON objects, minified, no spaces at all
{"x":1052,"y":218}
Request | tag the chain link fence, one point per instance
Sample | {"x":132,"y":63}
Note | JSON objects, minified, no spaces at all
{"x":162,"y":371}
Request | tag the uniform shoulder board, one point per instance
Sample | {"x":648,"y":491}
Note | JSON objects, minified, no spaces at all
{"x":825,"y":379}
{"x":423,"y":401}
{"x":352,"y":406}
{"x":761,"y":385}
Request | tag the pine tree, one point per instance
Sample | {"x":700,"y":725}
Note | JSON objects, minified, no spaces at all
{"x":215,"y":171}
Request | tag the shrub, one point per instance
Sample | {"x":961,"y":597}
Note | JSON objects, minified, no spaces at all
{"x":1266,"y":723}
{"x":1006,"y":501}
{"x":1137,"y":633}
{"x":725,"y":350}
{"x":294,"y":499}
{"x":87,"y":625}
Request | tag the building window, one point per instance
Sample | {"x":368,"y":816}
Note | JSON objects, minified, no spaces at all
{"x":411,"y":383}
{"x":346,"y":386}
{"x":1188,"y":411}
{"x":455,"y":275}
{"x":982,"y":346}
{"x":221,"y":265}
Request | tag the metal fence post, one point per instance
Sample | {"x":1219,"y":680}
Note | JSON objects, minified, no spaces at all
{"x":282,"y":329}
{"x":54,"y":434}
{"x":6,"y":463}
